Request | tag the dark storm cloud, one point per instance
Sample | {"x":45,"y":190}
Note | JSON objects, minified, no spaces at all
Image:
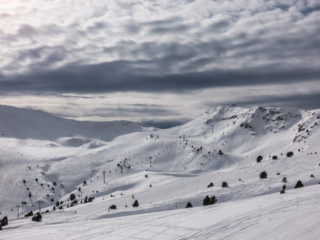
{"x":305,"y":101}
{"x":146,"y":110}
{"x":124,"y":76}
{"x":163,"y":124}
{"x":132,"y":110}
{"x":309,"y":10}
{"x":128,"y":110}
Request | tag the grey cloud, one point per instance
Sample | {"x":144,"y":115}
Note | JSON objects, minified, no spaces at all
{"x":129,"y":111}
{"x":31,"y":32}
{"x":304,"y":101}
{"x":219,"y":26}
{"x":97,"y":27}
{"x":126,"y":111}
{"x":284,"y":7}
{"x":51,"y":30}
{"x":123,"y":76}
{"x":26,"y":30}
{"x":163,"y":124}
{"x":266,"y":42}
{"x":4,"y":15}
{"x":132,"y":27}
{"x":161,"y":26}
{"x":170,"y":29}
{"x":41,"y":57}
{"x":163,"y":22}
{"x":309,"y":9}
{"x":76,"y":96}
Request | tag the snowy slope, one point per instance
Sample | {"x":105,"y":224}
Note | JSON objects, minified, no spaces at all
{"x":265,"y":217}
{"x":35,"y":124}
{"x":164,"y":169}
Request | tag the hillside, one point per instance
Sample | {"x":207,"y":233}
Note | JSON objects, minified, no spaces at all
{"x":35,"y":124}
{"x":163,"y":169}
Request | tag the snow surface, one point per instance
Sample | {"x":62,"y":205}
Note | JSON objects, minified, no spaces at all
{"x":163,"y":170}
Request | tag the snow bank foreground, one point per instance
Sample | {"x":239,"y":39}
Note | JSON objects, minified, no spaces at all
{"x":294,"y":216}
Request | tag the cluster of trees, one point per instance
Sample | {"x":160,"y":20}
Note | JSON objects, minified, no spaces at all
{"x":3,"y":222}
{"x":274,"y":157}
{"x":37,"y":217}
{"x":209,"y":200}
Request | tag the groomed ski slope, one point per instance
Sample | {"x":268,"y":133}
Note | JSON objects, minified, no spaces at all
{"x":294,"y":215}
{"x":163,"y":170}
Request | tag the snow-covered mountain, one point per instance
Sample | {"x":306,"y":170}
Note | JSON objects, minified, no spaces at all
{"x":35,"y":124}
{"x":46,"y":158}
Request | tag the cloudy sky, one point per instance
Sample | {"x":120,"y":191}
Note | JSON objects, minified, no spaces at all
{"x":158,"y":60}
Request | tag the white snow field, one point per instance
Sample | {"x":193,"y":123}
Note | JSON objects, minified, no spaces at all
{"x":46,"y":158}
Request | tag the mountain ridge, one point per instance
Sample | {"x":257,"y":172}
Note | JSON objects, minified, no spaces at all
{"x":164,"y":168}
{"x":25,"y":123}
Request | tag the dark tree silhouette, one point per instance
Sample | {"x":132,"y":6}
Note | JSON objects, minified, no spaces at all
{"x":72,"y":196}
{"x":37,"y":217}
{"x":29,"y":214}
{"x":209,"y":200}
{"x":259,"y":158}
{"x":224,"y":184}
{"x":113,"y":206}
{"x":4,"y":221}
{"x":210,"y":185}
{"x":135,"y":204}
{"x":289,"y":154}
{"x":189,"y":205}
{"x":298,"y":184}
{"x":263,"y":175}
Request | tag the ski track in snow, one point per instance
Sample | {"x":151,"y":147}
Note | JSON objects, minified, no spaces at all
{"x":265,"y":217}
